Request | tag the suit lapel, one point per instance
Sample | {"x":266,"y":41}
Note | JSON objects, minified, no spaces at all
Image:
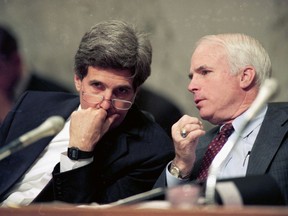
{"x":24,"y":121}
{"x":115,"y":145}
{"x":120,"y":148}
{"x":109,"y":150}
{"x":20,"y":160}
{"x":268,"y":141}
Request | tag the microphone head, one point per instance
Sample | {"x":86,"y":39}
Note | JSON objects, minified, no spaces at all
{"x":50,"y":127}
{"x":268,"y":89}
{"x":271,"y":87}
{"x":55,"y":123}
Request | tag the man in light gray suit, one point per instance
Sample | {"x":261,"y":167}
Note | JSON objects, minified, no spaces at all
{"x":226,"y":74}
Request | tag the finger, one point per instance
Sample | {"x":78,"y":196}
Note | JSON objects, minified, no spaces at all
{"x":186,"y":119}
{"x":195,"y":135}
{"x":109,"y":121}
{"x":188,"y":128}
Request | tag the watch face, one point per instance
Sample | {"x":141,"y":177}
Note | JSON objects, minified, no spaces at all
{"x":73,"y":153}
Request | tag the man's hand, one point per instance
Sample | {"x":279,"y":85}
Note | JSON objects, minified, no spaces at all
{"x":185,"y":145}
{"x":88,"y":126}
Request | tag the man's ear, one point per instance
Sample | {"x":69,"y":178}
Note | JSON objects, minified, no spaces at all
{"x":77,"y":82}
{"x":247,"y":77}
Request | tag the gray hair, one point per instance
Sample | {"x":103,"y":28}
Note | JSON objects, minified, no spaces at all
{"x":116,"y":45}
{"x":243,"y":50}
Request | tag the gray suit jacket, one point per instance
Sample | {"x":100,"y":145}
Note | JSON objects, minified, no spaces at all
{"x":269,"y":154}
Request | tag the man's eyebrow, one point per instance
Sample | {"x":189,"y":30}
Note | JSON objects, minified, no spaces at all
{"x":200,"y":68}
{"x":126,"y":86}
{"x":197,"y":70}
{"x":93,"y":81}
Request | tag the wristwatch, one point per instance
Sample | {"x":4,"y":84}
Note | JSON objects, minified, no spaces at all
{"x":75,"y":154}
{"x":175,"y":171}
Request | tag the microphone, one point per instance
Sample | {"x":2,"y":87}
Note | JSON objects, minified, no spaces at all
{"x":50,"y":127}
{"x":267,"y":90}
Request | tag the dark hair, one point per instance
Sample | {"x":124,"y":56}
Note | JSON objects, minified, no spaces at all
{"x":117,"y":45}
{"x":8,"y":43}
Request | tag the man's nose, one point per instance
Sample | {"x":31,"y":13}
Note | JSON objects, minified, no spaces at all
{"x":105,"y":104}
{"x":192,"y":86}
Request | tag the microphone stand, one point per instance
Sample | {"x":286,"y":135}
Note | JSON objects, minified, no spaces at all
{"x":267,"y":90}
{"x":215,"y":166}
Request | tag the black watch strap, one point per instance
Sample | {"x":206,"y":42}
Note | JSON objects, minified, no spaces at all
{"x":76,"y":154}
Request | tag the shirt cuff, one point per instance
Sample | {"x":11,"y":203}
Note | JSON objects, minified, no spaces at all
{"x":66,"y":164}
{"x":172,"y":180}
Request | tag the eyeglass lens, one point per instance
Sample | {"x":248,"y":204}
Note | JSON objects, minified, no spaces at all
{"x":117,"y":103}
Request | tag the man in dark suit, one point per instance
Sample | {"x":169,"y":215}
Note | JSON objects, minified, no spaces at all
{"x":226,"y":74}
{"x":14,"y":77}
{"x":108,"y":149}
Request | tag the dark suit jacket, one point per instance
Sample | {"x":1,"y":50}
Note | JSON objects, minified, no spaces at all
{"x":269,"y":153}
{"x":127,"y":161}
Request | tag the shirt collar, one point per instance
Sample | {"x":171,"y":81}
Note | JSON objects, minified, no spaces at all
{"x":254,"y":123}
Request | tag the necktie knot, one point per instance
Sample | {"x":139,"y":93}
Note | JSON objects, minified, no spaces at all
{"x":227,"y":129}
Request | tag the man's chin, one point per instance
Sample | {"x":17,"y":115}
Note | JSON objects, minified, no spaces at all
{"x":207,"y":117}
{"x":204,"y":115}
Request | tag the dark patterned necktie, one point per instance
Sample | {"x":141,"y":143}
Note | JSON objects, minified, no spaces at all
{"x":214,"y":147}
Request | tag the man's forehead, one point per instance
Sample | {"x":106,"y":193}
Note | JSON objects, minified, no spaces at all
{"x":113,"y":77}
{"x":207,"y":53}
{"x":110,"y":73}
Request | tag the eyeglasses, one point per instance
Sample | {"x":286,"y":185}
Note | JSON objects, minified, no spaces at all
{"x":116,"y":103}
